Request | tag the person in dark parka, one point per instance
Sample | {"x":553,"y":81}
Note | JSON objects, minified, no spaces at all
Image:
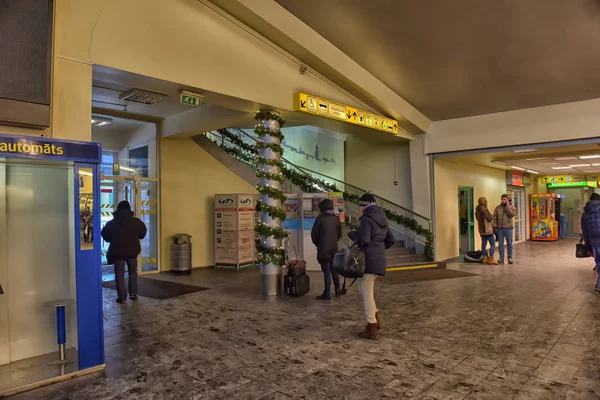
{"x":590,"y":226}
{"x":326,"y":233}
{"x":373,"y":237}
{"x":124,"y":233}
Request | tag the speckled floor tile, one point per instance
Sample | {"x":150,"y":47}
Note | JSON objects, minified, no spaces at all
{"x":525,"y":331}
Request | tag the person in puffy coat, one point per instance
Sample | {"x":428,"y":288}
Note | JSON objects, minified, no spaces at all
{"x":590,"y":226}
{"x":373,"y":237}
{"x":326,"y":233}
{"x":124,"y":233}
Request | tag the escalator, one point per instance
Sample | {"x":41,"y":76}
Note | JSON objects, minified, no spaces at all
{"x":236,"y":150}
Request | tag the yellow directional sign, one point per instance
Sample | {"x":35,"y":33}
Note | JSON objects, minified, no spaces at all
{"x":341,"y":112}
{"x":568,"y":178}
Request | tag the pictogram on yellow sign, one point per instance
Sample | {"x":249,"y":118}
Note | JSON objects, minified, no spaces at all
{"x":314,"y":105}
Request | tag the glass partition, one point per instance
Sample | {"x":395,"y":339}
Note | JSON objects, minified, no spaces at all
{"x":37,"y":269}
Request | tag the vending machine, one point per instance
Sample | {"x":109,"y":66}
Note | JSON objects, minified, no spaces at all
{"x":544,"y":226}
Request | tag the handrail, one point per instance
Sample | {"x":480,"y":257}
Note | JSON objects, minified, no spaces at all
{"x":340,"y":181}
{"x":411,"y":229}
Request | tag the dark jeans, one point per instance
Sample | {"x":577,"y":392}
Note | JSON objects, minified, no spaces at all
{"x":120,"y":277}
{"x":329,"y":272}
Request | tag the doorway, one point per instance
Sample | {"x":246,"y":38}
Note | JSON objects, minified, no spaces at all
{"x":518,"y":198}
{"x":142,"y":194}
{"x":466,"y":213}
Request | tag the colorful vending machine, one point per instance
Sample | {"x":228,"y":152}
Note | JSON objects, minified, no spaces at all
{"x":544,"y":226}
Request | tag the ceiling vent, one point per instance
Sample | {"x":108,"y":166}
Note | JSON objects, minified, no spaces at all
{"x":142,"y":96}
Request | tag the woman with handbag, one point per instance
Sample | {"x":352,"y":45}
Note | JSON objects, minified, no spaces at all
{"x":373,"y":237}
{"x":590,"y":226}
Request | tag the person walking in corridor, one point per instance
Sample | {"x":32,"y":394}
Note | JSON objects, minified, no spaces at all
{"x":326,"y":233}
{"x":485,"y":224}
{"x":590,"y":227}
{"x":124,"y":233}
{"x":503,"y":222}
{"x":373,"y":237}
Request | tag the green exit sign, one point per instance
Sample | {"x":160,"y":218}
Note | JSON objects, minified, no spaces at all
{"x":191,"y":99}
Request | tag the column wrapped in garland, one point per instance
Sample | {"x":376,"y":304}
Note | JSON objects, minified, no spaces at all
{"x":269,"y":249}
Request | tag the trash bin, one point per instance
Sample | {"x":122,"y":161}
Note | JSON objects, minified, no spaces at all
{"x":181,"y":254}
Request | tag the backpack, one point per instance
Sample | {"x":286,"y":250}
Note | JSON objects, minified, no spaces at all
{"x":349,"y":263}
{"x":473,"y":256}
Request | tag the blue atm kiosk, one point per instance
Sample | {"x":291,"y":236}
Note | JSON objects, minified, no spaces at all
{"x":50,"y":265}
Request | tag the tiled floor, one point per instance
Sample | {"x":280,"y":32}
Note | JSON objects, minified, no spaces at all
{"x":524,"y":331}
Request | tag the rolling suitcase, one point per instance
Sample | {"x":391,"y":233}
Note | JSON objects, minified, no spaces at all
{"x":296,"y":285}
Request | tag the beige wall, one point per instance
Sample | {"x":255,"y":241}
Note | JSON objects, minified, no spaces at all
{"x":190,"y":178}
{"x":578,"y":120}
{"x":375,"y":166}
{"x":487,"y":182}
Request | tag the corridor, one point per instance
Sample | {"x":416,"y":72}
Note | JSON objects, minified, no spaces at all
{"x":524,"y":331}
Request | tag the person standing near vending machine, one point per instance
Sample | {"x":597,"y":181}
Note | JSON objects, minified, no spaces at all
{"x":503,"y":222}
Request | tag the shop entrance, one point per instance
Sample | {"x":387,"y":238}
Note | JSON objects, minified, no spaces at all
{"x":519,"y":201}
{"x":466,"y":214}
{"x":142,"y":194}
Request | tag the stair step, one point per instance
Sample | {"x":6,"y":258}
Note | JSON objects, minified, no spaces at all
{"x":413,"y":258}
{"x":400,"y":251}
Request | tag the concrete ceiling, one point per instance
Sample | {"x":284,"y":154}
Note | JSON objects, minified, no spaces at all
{"x":460,"y":58}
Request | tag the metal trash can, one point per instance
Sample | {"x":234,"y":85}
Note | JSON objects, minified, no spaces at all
{"x":181,"y":254}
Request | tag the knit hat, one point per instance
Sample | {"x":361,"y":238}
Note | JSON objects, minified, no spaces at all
{"x":595,"y":196}
{"x":367,"y":199}
{"x":325,"y":205}
{"x":124,"y":205}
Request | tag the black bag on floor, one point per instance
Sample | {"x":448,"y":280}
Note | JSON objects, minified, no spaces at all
{"x":296,"y":285}
{"x":582,"y":250}
{"x":473,"y":256}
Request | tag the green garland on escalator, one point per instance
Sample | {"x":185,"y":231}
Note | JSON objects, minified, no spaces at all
{"x":309,"y":185}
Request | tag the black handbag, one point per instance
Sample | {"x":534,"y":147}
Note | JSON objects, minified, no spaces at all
{"x":582,"y":250}
{"x":349,"y":263}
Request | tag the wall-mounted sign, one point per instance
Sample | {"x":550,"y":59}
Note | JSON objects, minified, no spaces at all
{"x":32,"y":147}
{"x":592,"y":184}
{"x":568,"y":178}
{"x":190,"y":99}
{"x":518,"y":178}
{"x":341,"y":112}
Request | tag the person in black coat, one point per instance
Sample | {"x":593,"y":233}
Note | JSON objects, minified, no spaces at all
{"x":326,"y":233}
{"x":373,"y":237}
{"x":590,"y":226}
{"x":124,"y":233}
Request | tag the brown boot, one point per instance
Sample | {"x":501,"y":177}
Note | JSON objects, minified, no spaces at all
{"x":486,"y":260}
{"x":379,"y":321}
{"x":370,"y":332}
{"x":492,"y":261}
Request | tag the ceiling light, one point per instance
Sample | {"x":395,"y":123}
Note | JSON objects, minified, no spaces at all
{"x":595,"y":165}
{"x":565,"y":158}
{"x":537,"y":159}
{"x":142,"y":96}
{"x":551,"y":163}
{"x":557,"y":168}
{"x":586,"y":157}
{"x":579,"y":165}
{"x":524,"y":151}
{"x":517,"y":168}
{"x":499,"y":163}
{"x":532,"y":172}
{"x":100,"y":121}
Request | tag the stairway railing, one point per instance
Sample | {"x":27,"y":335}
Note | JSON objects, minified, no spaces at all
{"x":416,"y":228}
